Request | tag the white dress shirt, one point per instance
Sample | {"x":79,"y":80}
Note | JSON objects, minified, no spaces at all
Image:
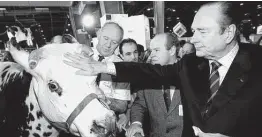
{"x":116,"y":90}
{"x":172,"y":91}
{"x":225,"y":62}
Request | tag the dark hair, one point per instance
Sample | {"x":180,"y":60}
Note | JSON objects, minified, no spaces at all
{"x":230,"y":14}
{"x":182,"y":42}
{"x":124,"y":41}
{"x":140,"y":49}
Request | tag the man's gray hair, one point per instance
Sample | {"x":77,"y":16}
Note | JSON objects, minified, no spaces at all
{"x":117,"y":25}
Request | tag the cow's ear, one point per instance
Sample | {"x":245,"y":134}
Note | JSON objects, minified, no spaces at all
{"x":34,"y":57}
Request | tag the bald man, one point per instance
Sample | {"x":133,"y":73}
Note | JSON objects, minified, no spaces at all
{"x":161,"y":102}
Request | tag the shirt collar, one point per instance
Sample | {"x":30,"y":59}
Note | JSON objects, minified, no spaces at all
{"x":96,"y":53}
{"x":227,"y":60}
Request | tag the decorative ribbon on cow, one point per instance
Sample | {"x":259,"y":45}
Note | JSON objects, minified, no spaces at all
{"x":65,"y":126}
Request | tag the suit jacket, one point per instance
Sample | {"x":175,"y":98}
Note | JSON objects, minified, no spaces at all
{"x":163,"y":123}
{"x":234,"y":111}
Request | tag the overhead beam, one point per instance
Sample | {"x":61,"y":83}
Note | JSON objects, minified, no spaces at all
{"x":159,"y":16}
{"x":26,"y":12}
{"x":111,"y":7}
{"x":36,"y":3}
{"x":72,"y":20}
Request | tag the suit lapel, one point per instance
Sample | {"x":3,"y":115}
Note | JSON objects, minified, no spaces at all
{"x":235,"y":78}
{"x":160,"y":99}
{"x":175,"y":101}
{"x":203,"y":87}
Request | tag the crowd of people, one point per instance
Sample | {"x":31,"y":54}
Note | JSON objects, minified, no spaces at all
{"x":125,"y":98}
{"x":209,"y":87}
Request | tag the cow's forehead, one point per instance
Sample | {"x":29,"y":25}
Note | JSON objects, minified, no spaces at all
{"x":58,"y":49}
{"x":51,"y":65}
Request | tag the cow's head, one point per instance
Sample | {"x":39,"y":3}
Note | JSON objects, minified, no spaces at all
{"x":60,"y":91}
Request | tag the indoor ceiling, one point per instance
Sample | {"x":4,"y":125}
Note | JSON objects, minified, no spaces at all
{"x":183,"y":11}
{"x":50,"y":18}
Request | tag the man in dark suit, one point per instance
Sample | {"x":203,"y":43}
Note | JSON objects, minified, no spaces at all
{"x":161,"y":103}
{"x":220,"y":86}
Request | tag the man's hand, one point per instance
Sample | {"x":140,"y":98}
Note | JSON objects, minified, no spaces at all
{"x":87,"y":65}
{"x":122,"y":122}
{"x":200,"y":133}
{"x":133,"y":129}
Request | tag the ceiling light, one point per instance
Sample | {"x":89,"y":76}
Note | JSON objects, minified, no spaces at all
{"x":173,"y":10}
{"x":241,"y":4}
{"x":177,"y":18}
{"x":148,"y":9}
{"x":88,"y":20}
{"x":258,"y":14}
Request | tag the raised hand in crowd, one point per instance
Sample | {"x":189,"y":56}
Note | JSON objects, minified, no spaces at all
{"x":200,"y":133}
{"x":134,"y":129}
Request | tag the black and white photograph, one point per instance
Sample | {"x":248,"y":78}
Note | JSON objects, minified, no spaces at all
{"x":130,"y":68}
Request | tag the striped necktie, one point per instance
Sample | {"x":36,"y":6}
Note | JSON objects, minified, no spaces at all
{"x":167,"y":96}
{"x":100,"y":58}
{"x":214,"y":78}
{"x":214,"y":86}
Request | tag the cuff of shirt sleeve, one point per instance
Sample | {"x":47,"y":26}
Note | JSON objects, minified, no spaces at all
{"x":137,"y":122}
{"x":111,"y":69}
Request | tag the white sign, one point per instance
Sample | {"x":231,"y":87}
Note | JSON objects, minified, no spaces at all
{"x":259,"y":29}
{"x":179,"y":29}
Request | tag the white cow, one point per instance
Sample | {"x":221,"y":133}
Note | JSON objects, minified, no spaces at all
{"x":67,"y":101}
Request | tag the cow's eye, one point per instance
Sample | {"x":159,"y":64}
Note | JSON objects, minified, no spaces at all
{"x":53,"y":86}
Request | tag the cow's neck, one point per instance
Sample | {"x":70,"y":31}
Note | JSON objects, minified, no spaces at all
{"x":23,"y":115}
{"x":36,"y":120}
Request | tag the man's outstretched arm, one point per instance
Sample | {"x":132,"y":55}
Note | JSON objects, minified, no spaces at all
{"x":126,"y":71}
